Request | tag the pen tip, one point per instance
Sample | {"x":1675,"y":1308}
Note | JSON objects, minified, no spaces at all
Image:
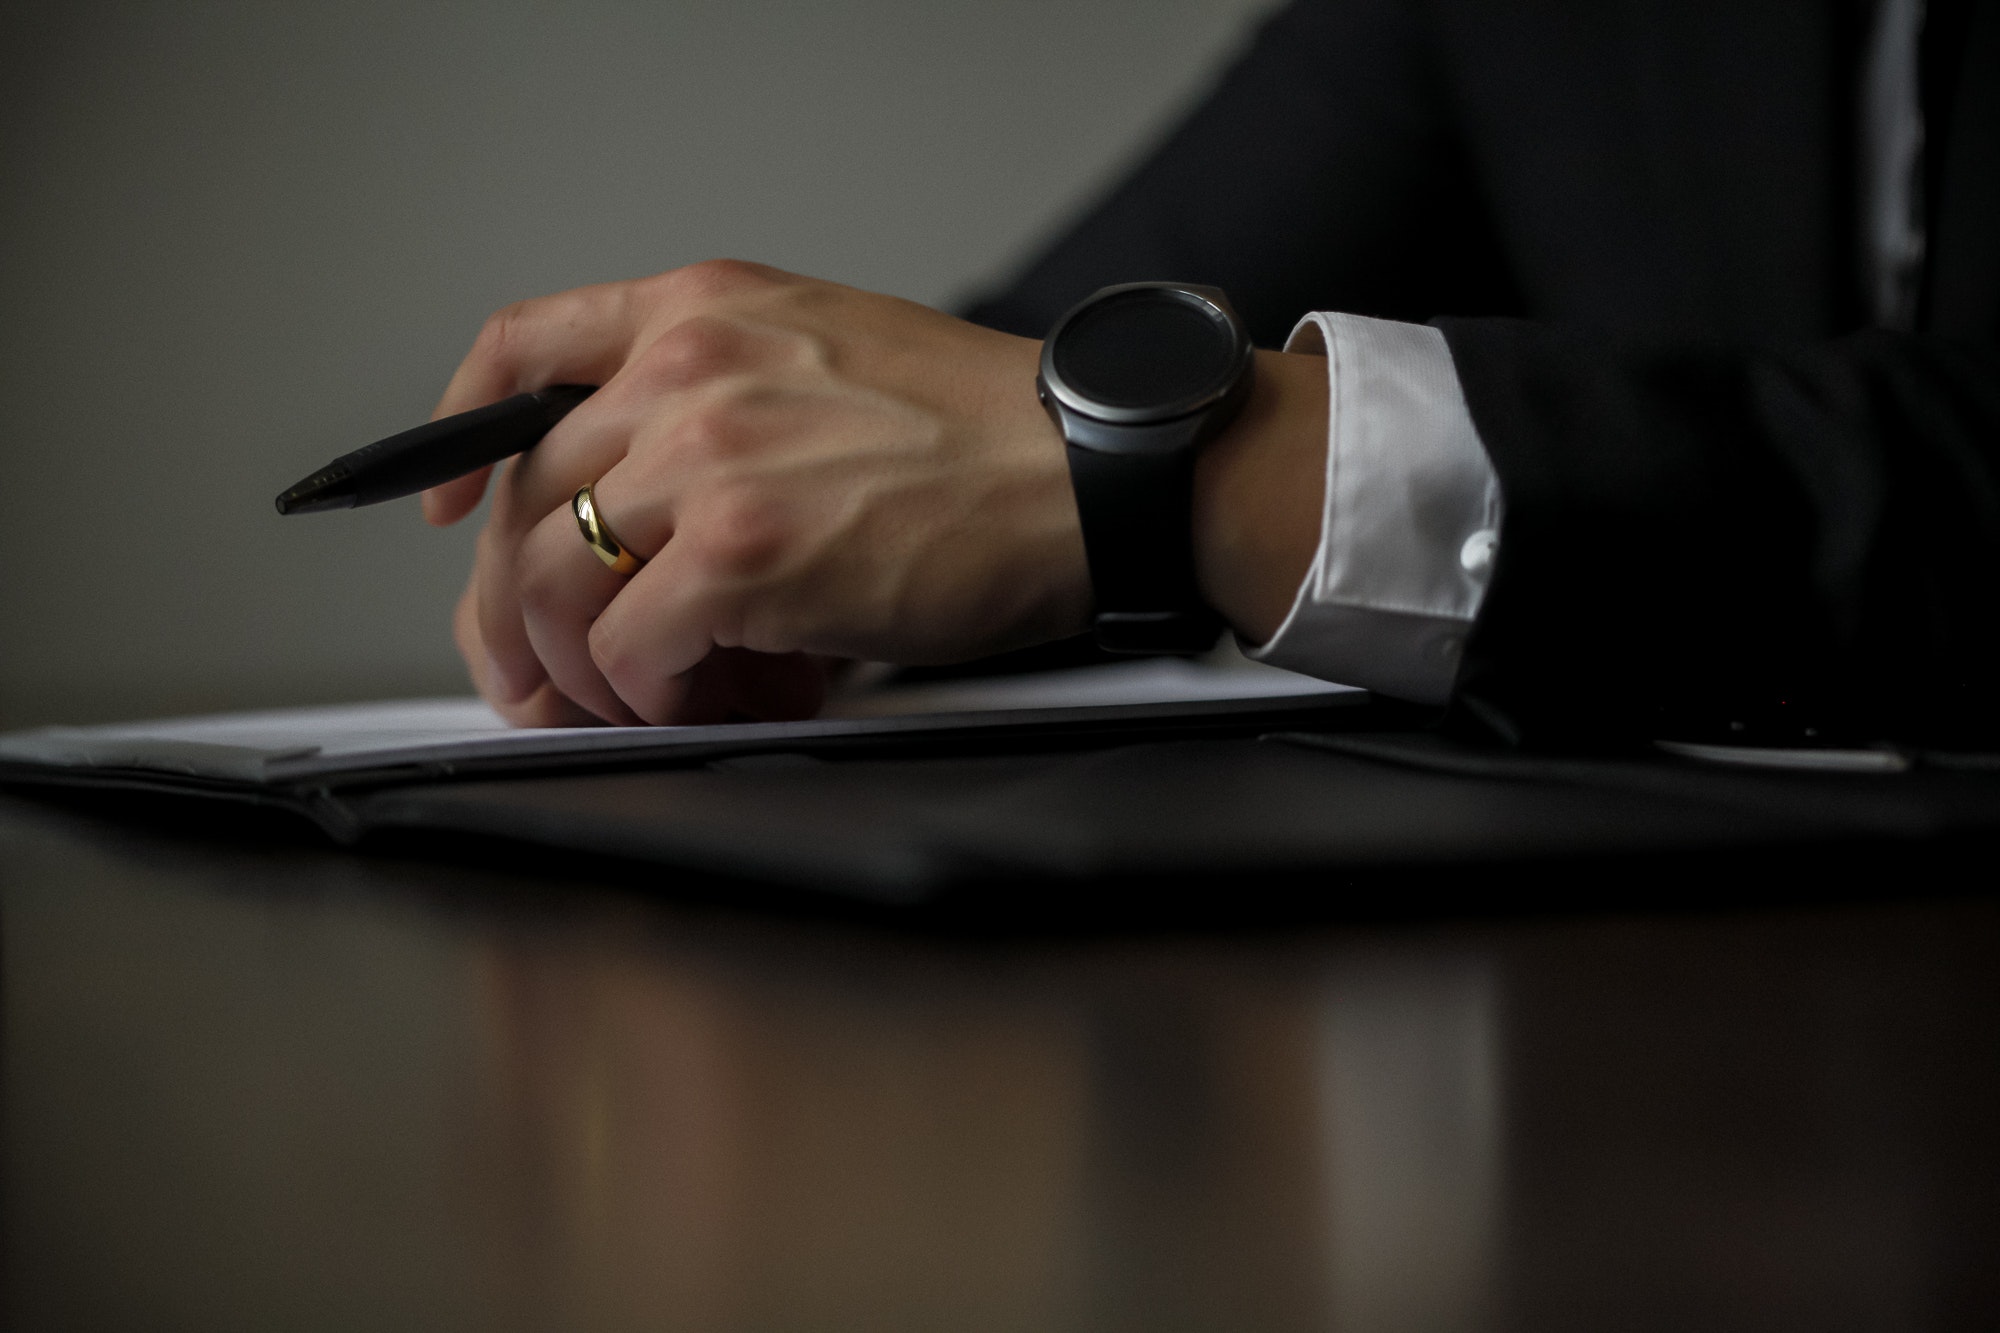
{"x":332,"y":487}
{"x":308,"y":499}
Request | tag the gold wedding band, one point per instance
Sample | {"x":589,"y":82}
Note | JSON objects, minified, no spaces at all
{"x":598,"y":534}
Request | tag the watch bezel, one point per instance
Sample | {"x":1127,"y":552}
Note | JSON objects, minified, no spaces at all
{"x":1073,"y":400}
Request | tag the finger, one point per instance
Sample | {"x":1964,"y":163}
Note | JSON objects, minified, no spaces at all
{"x":445,"y":505}
{"x":653,"y":329}
{"x":536,"y":490}
{"x":581,"y":446}
{"x":547,"y":706}
{"x":585,"y":448}
{"x":513,"y":670}
{"x":650,"y":638}
{"x":583,"y":336}
{"x":563,"y":588}
{"x":544,"y":706}
{"x":579,"y":336}
{"x":585,"y":444}
{"x":575,"y":337}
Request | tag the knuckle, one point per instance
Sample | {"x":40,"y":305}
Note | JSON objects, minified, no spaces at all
{"x":611,"y":653}
{"x":501,"y":336}
{"x":714,"y":434}
{"x":602,"y":644}
{"x":692,"y":351}
{"x":714,"y":279}
{"x":744,"y":537}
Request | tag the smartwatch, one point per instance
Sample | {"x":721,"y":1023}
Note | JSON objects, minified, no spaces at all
{"x":1137,"y":378}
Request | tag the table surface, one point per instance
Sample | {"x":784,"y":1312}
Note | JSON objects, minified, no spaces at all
{"x":252,"y":1082}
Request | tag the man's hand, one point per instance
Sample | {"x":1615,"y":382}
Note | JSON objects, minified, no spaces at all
{"x":809,"y":469}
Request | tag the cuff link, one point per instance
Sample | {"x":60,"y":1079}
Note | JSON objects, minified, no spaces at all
{"x":1476,"y":556}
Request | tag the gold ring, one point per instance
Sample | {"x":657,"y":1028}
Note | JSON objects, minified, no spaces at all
{"x":595,"y":532}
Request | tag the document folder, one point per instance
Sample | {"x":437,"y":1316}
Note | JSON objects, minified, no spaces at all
{"x":1216,"y":799}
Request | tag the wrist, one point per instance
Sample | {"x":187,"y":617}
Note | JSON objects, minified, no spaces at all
{"x":1259,"y":491}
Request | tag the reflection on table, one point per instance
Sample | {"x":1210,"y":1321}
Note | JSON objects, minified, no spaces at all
{"x":256,"y":1084}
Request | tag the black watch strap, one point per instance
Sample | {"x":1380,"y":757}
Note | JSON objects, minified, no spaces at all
{"x":1138,"y":520}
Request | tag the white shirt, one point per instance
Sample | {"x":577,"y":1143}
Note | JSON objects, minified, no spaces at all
{"x":1411,"y":517}
{"x":1413,"y":507}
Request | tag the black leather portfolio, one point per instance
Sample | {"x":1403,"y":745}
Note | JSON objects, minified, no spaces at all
{"x":1279,"y":801}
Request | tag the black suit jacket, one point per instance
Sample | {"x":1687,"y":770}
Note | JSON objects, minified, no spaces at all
{"x":1731,"y":510}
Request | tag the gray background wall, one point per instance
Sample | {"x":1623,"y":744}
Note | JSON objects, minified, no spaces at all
{"x":239,"y":238}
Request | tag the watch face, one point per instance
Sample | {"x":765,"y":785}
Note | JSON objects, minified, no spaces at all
{"x":1145,"y":351}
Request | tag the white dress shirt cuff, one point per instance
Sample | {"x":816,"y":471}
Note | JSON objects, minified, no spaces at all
{"x":1412,"y":516}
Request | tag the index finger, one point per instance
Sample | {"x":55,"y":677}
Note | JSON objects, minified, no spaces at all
{"x":581,"y":336}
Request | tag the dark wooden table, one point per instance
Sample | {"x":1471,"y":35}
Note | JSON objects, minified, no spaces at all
{"x":255,"y":1083}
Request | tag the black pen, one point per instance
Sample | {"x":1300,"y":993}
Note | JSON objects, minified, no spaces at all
{"x":435,"y":453}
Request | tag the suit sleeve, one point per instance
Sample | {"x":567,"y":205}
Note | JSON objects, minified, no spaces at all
{"x":1322,"y":172}
{"x":1726,"y":542}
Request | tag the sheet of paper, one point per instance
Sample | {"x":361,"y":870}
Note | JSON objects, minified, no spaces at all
{"x":292,"y":745}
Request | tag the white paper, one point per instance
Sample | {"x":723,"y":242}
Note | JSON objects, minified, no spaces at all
{"x":301,"y":744}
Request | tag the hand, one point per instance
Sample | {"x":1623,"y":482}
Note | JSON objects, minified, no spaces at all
{"x":812,"y":470}
{"x":809,"y":469}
